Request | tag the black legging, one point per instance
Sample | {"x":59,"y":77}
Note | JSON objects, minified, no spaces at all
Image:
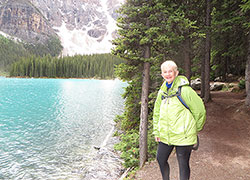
{"x":183,"y":156}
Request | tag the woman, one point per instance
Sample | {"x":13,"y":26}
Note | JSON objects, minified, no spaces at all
{"x":176,"y":125}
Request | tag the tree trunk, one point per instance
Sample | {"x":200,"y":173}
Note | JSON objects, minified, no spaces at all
{"x":187,"y":60}
{"x":225,"y":65}
{"x":144,"y":110}
{"x":248,"y":74}
{"x":203,"y":71}
{"x":207,"y":96}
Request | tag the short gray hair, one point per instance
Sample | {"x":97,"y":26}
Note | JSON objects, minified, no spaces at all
{"x":169,"y":63}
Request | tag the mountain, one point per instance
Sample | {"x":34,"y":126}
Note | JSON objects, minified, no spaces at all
{"x":21,"y":19}
{"x":83,"y":26}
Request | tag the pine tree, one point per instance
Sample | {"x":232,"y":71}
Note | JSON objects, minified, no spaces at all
{"x":245,"y":8}
{"x":150,"y":32}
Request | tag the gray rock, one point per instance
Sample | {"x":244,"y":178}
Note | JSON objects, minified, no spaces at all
{"x":23,"y":20}
{"x":218,"y":79}
{"x":96,"y":33}
{"x":196,"y":84}
{"x":216,"y":86}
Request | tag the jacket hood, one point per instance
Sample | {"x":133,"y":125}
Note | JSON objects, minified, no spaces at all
{"x":181,"y":81}
{"x":178,"y":81}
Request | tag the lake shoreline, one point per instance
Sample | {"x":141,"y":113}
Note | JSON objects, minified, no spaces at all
{"x":27,"y":77}
{"x":107,"y":163}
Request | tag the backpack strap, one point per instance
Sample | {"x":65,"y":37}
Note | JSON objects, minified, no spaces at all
{"x":181,"y":99}
{"x":178,"y":94}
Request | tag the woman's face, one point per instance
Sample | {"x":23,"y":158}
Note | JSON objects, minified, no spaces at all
{"x":169,"y":74}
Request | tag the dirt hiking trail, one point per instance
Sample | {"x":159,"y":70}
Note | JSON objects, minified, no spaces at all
{"x":224,"y":152}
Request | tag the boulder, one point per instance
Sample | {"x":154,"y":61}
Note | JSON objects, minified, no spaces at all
{"x":196,"y":84}
{"x":216,"y":86}
{"x":218,"y":79}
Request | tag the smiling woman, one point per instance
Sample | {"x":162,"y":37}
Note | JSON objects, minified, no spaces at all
{"x":169,"y":71}
{"x":175,"y":125}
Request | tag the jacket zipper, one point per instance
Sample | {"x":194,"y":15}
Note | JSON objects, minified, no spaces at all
{"x":185,"y":131}
{"x":167,"y":101}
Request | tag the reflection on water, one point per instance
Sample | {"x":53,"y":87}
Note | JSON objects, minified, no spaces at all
{"x":48,"y":127}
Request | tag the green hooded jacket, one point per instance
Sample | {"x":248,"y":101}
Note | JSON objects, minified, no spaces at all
{"x":173,"y":123}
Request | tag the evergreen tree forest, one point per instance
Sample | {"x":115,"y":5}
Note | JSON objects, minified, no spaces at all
{"x":206,"y":38}
{"x":10,"y":52}
{"x":78,"y":66}
{"x":13,"y":50}
{"x":41,"y":61}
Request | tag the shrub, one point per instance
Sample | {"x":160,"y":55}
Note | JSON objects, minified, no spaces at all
{"x":242,"y":84}
{"x":129,"y":146}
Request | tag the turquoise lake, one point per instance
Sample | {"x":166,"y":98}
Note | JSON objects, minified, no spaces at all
{"x":48,"y":127}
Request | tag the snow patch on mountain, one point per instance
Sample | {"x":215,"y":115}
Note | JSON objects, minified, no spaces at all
{"x":16,"y":39}
{"x":95,"y":36}
{"x":83,"y":26}
{"x":79,"y":42}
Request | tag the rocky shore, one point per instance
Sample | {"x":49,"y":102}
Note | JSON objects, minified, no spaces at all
{"x":106,"y":162}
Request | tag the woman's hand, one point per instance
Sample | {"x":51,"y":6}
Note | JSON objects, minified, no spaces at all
{"x":157,"y":139}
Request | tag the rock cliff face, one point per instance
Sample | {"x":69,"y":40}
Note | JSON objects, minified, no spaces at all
{"x":21,"y":19}
{"x":84,"y":26}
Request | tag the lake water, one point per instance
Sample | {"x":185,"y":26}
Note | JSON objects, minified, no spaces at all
{"x":49,"y":127}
